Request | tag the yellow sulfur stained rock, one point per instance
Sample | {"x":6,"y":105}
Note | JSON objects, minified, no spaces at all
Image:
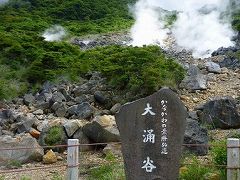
{"x":50,"y":157}
{"x":183,"y":169}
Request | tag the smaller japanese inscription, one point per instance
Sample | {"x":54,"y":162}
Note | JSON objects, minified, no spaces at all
{"x":164,"y":127}
{"x":151,"y":131}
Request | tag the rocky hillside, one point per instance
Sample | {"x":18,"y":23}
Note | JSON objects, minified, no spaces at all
{"x":85,"y":110}
{"x":75,"y":87}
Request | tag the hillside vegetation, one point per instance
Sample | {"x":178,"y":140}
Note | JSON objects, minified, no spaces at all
{"x":27,"y":60}
{"x":22,"y":23}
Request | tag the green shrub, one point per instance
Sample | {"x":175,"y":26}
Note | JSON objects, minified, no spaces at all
{"x":236,"y":20}
{"x":55,"y":135}
{"x":219,"y":152}
{"x":170,"y":19}
{"x":10,"y":82}
{"x":136,"y":69}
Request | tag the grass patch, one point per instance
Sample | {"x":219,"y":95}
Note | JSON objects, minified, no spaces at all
{"x":25,"y":178}
{"x":110,"y":170}
{"x":14,"y":164}
{"x":107,"y":172}
{"x":200,"y":172}
{"x":57,"y":176}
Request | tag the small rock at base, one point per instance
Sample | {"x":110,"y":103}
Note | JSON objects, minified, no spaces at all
{"x":50,"y":157}
{"x":35,"y":133}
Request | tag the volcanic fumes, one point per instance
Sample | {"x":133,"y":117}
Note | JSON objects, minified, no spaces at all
{"x":201,"y":26}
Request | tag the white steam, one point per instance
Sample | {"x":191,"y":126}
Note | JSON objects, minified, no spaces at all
{"x":147,"y":25}
{"x":3,"y":2}
{"x":55,"y":33}
{"x":201,"y":27}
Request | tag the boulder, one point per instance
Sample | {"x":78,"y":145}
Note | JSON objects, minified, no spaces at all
{"x":102,"y":129}
{"x":221,"y":112}
{"x":38,"y":112}
{"x":195,"y":80}
{"x":80,"y":111}
{"x":50,"y":157}
{"x":5,"y":114}
{"x":9,"y":133}
{"x":82,"y":89}
{"x":115,"y":108}
{"x":44,"y":105}
{"x":50,"y":122}
{"x":47,"y":87}
{"x":35,"y":152}
{"x":94,"y":84}
{"x":59,"y":108}
{"x":58,"y":97}
{"x":230,"y":62}
{"x":83,"y":139}
{"x":100,"y":97}
{"x":193,"y":115}
{"x":81,"y":99}
{"x":43,"y":96}
{"x":35,"y":133}
{"x":224,"y":51}
{"x":213,"y":67}
{"x":73,"y":125}
{"x":65,"y":93}
{"x":25,"y":124}
{"x":6,"y":117}
{"x":28,"y":99}
{"x":114,"y":149}
{"x":195,"y":134}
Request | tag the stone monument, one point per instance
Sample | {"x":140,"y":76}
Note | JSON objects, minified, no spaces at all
{"x":152,"y":131}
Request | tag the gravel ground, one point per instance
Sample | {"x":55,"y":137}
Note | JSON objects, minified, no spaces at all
{"x":86,"y":160}
{"x":225,"y":84}
{"x":41,"y":174}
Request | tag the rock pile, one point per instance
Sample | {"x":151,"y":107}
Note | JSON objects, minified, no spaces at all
{"x":92,"y":41}
{"x":58,"y":112}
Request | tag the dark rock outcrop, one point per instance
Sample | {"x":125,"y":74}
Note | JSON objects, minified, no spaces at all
{"x":104,"y":128}
{"x":222,"y":112}
{"x":230,"y":62}
{"x":195,"y":80}
{"x":195,"y":134}
{"x":81,"y":111}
